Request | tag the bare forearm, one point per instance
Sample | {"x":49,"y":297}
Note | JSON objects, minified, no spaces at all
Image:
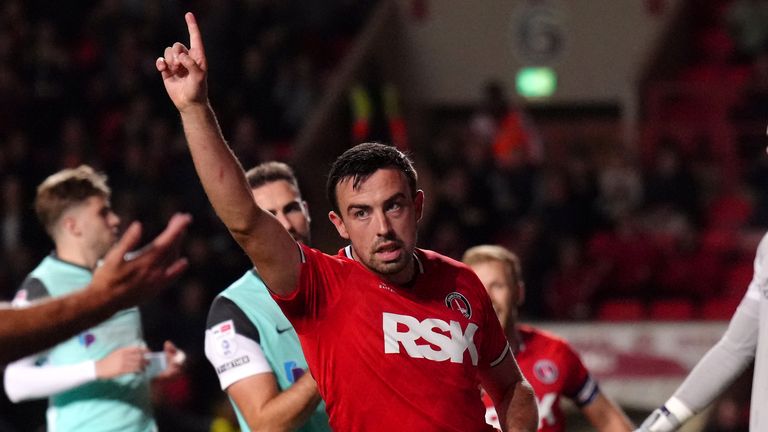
{"x":616,"y":423}
{"x":522,"y":413}
{"x":224,"y":182}
{"x":606,"y":416}
{"x":219,"y":171}
{"x":289,"y":409}
{"x":25,"y":331}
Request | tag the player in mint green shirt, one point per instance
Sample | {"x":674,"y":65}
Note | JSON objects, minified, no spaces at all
{"x":251,"y":344}
{"x":97,"y":381}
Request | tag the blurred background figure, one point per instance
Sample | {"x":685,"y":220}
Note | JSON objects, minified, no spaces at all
{"x":550,"y":364}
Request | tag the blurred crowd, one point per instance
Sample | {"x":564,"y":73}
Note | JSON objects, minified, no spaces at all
{"x":79,"y":85}
{"x":596,"y":226}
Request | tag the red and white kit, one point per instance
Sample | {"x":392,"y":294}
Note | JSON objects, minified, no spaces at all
{"x":390,"y":357}
{"x":554,"y":370}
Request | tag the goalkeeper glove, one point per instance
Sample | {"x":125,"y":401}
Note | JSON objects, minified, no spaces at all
{"x":667,"y":418}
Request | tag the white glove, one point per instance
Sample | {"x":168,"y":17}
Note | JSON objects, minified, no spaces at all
{"x":660,"y":420}
{"x":667,"y":418}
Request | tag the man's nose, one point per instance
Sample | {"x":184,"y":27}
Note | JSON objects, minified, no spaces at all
{"x":284,"y":221}
{"x":115,"y":219}
{"x":384,"y":225}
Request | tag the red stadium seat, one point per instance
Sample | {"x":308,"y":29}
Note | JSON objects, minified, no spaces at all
{"x":719,"y":308}
{"x":671,"y":310}
{"x":621,"y":310}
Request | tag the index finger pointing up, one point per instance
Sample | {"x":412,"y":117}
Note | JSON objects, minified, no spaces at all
{"x":195,"y":40}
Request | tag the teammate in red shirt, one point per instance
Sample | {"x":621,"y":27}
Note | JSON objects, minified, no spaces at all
{"x":550,"y":364}
{"x":397,"y":338}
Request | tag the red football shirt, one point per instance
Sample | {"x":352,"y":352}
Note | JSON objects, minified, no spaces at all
{"x":554,"y":370}
{"x":394,"y":358}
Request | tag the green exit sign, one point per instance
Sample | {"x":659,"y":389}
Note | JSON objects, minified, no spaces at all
{"x":536,"y":82}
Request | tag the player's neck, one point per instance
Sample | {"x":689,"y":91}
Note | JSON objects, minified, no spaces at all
{"x":76,"y":255}
{"x":404,"y":278}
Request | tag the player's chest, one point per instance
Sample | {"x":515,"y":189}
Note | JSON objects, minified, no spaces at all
{"x":427,"y":325}
{"x":122,"y":329}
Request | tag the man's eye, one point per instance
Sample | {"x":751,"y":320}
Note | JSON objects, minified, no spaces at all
{"x":361,"y":214}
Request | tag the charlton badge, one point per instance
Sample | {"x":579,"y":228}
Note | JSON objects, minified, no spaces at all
{"x":546,"y":371}
{"x":459,"y":303}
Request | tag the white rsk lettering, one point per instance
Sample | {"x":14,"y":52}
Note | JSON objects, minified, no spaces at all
{"x":448,"y":348}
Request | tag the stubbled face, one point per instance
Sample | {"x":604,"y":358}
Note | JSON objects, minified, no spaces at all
{"x":283,"y":200}
{"x":96,"y":224}
{"x":380,"y":219}
{"x":502,"y":288}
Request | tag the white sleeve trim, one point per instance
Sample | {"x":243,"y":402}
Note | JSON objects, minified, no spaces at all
{"x":24,"y":380}
{"x":501,"y":357}
{"x":235,"y":357}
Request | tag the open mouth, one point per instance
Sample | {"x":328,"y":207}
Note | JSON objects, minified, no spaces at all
{"x":389,"y":252}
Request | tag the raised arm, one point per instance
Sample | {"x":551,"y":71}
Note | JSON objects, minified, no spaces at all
{"x":117,"y":284}
{"x":268,"y":245}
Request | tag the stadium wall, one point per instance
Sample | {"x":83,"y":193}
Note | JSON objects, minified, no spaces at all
{"x":599,"y":48}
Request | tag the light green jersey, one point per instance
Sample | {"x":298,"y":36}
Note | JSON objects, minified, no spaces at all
{"x":119,"y":404}
{"x":248,"y":334}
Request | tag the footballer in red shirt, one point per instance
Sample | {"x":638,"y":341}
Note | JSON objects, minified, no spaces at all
{"x":416,"y":351}
{"x":397,"y":338}
{"x":547,"y":361}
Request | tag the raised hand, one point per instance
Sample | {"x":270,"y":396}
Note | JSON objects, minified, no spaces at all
{"x":128,"y":281}
{"x":184,"y":70}
{"x":121,"y":361}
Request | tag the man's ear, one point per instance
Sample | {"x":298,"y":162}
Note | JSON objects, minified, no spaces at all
{"x":418,"y":202}
{"x":69,"y":225}
{"x":339,"y":224}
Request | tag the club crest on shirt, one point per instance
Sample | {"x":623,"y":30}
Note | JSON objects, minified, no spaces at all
{"x":292,"y":371}
{"x":546,"y":371}
{"x":86,"y":339}
{"x":459,"y":303}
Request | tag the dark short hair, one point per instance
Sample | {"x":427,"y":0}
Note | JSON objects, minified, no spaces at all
{"x":66,"y":189}
{"x":269,"y":172}
{"x":361,"y":161}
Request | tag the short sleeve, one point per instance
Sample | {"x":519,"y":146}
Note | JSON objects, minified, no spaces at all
{"x":320,"y":280}
{"x":580,"y":387}
{"x":232,"y":344}
{"x":31,"y":289}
